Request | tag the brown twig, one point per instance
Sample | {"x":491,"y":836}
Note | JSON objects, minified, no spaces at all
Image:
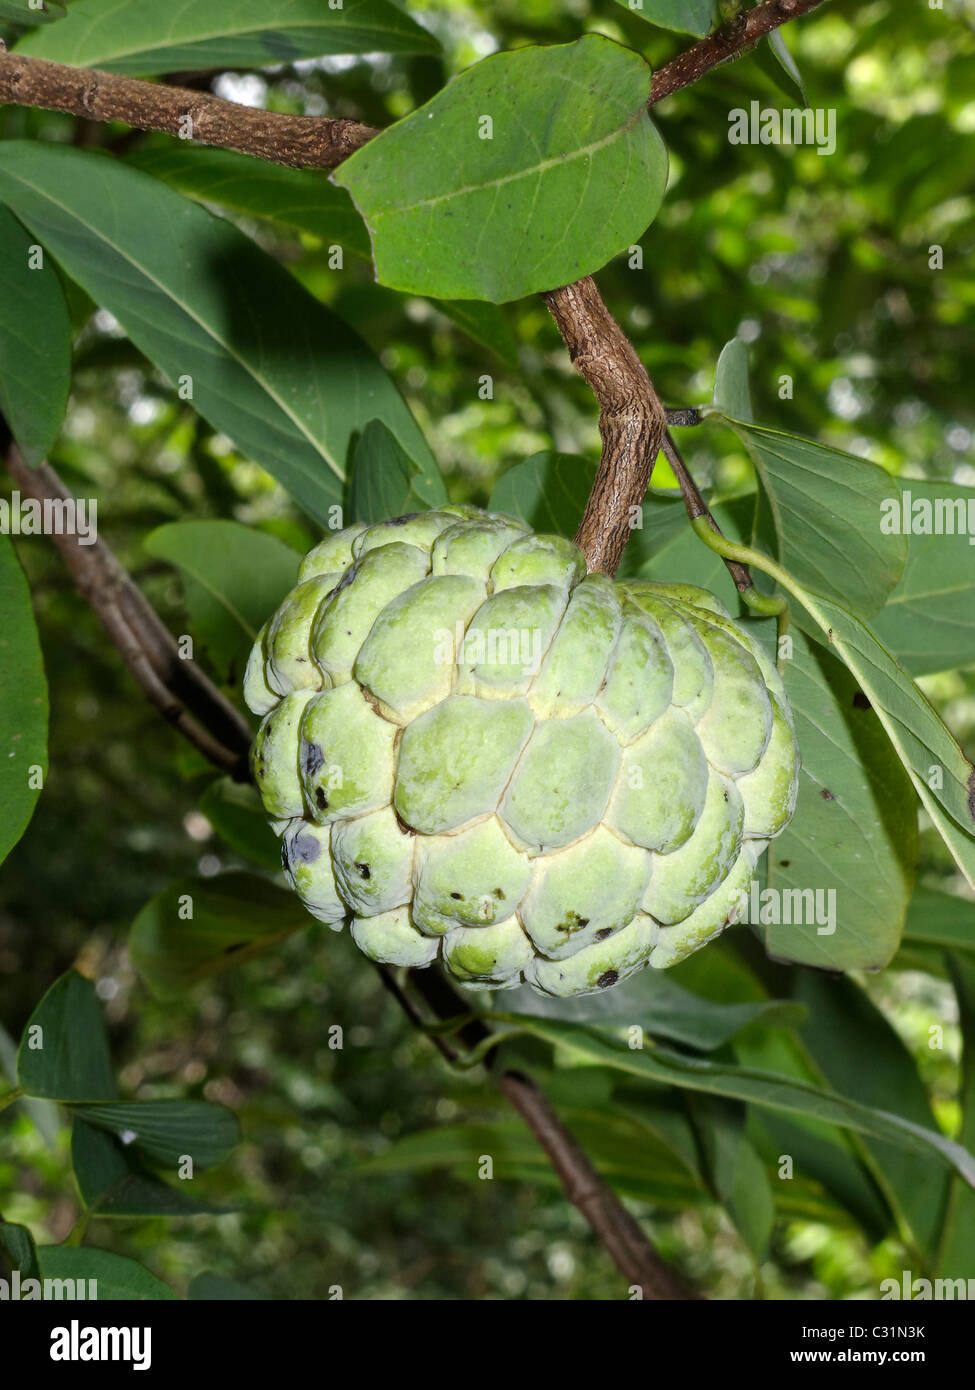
{"x":632,"y":420}
{"x":299,"y":141}
{"x":178,"y":689}
{"x":725,"y":43}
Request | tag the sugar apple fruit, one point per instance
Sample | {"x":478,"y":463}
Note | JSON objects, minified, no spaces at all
{"x":474,"y":750}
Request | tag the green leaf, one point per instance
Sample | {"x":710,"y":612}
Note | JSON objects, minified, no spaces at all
{"x":212,"y":1287}
{"x":940,"y":920}
{"x":484,"y":323}
{"x":111,"y":1180}
{"x":731,"y":393}
{"x":548,"y":490}
{"x":234,"y":810}
{"x":955,"y":1257}
{"x":827,"y":507}
{"x":18,"y":1244}
{"x":234,"y":917}
{"x":268,"y":365}
{"x":302,"y":200}
{"x":852,"y":842}
{"x":695,"y":17}
{"x":764,"y":1089}
{"x":653,"y":1002}
{"x":776,"y":60}
{"x":384,"y":477}
{"x":943,"y":777}
{"x":166,"y":1132}
{"x":118,"y":1278}
{"x":141,"y":37}
{"x":35,"y":343}
{"x":234,"y":577}
{"x":23,"y":703}
{"x":38,"y":12}
{"x":460,"y":210}
{"x":929,"y":620}
{"x":842,"y":1028}
{"x":737,"y":1175}
{"x":63,"y":1053}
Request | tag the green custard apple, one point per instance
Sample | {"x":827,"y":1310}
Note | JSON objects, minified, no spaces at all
{"x":475,"y":751}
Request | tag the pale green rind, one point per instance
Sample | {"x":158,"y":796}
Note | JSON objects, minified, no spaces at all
{"x":725,"y":905}
{"x":407,"y":662}
{"x":420,"y":529}
{"x":575,"y":665}
{"x":344,"y":621}
{"x":662,"y":786}
{"x":497,"y":955}
{"x":539,"y":560}
{"x":471,"y":547}
{"x":769,"y":793}
{"x":332,"y":553}
{"x":305,"y":853}
{"x":735,"y":728}
{"x":598,"y":966}
{"x":456,"y":760}
{"x":562,"y":783}
{"x":507,"y":640}
{"x":288,"y":642}
{"x":684,"y":878}
{"x":588,"y":891}
{"x":346,"y":759}
{"x":640,"y":682}
{"x":372,"y":859}
{"x":471,"y":879}
{"x":391,"y":939}
{"x":274,"y":757}
{"x":259,"y":698}
{"x":693,"y":668}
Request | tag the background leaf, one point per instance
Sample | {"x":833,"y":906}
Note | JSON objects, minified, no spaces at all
{"x":233,"y":577}
{"x":383,"y":479}
{"x":959,"y":1228}
{"x":929,"y":619}
{"x":235,"y":917}
{"x":234,"y":810}
{"x":35,"y":344}
{"x":112,"y":1182}
{"x":272,"y":368}
{"x":23,"y":702}
{"x":22,"y":12}
{"x":119,"y":1278}
{"x":72,"y":1062}
{"x":167,"y":1131}
{"x":731,"y":394}
{"x":569,"y":122}
{"x":695,"y":17}
{"x":142,"y":38}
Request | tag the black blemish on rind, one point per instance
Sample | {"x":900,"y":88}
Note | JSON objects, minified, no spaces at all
{"x":285,"y":860}
{"x":499,"y":895}
{"x":602,"y":935}
{"x":402,"y":520}
{"x":784,"y":863}
{"x":321,"y":800}
{"x":608,"y":979}
{"x":457,"y":896}
{"x":827,"y":795}
{"x":312,"y":757}
{"x":363,"y":870}
{"x":860,"y":701}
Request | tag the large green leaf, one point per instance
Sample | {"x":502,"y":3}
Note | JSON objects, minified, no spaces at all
{"x":143,"y":37}
{"x":765,"y":1089}
{"x":929,"y":620}
{"x":268,"y":365}
{"x":850,"y":851}
{"x":843,"y":1027}
{"x":940,"y":921}
{"x":18,"y":1245}
{"x":23,"y":703}
{"x":732,"y":395}
{"x":735,"y":1171}
{"x":32,"y":11}
{"x":300,"y":199}
{"x":118,"y":1278}
{"x":695,"y":17}
{"x":234,"y":810}
{"x":199,"y":928}
{"x":570,"y":172}
{"x":826,"y":507}
{"x":234,"y":577}
{"x":167,"y":1131}
{"x":112,"y":1182}
{"x":64,"y":1050}
{"x":958,"y":1242}
{"x":35,"y":343}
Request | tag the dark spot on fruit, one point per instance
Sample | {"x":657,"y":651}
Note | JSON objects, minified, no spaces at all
{"x":784,"y":863}
{"x":583,"y":922}
{"x":402,"y":520}
{"x":726,"y":796}
{"x":284,"y":855}
{"x":827,"y":795}
{"x":237,"y":946}
{"x":363,"y":870}
{"x":312,"y":757}
{"x":305,"y":849}
{"x":457,"y":896}
{"x":608,"y":979}
{"x":860,"y":701}
{"x":499,"y":895}
{"x":602,"y":935}
{"x":321,"y":800}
